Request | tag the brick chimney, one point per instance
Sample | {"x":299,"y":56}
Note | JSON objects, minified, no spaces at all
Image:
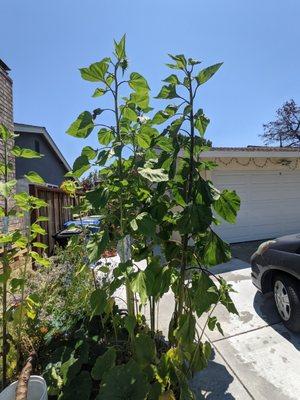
{"x":6,"y":97}
{"x":6,"y":118}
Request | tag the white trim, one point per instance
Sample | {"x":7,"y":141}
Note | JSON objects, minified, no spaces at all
{"x":43,"y":131}
{"x":251,"y":153}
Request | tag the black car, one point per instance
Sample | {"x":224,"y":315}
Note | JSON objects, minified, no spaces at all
{"x":276,"y":268}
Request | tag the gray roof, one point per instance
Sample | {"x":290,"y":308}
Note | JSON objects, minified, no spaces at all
{"x":41,"y":130}
{"x":256,"y":148}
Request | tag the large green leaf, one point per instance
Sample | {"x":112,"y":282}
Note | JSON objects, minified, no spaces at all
{"x":97,"y":245}
{"x":167,"y":92}
{"x":129,"y":114}
{"x":89,"y":152}
{"x":141,"y":99}
{"x":195,"y":218}
{"x":82,"y":126}
{"x":215,"y":250}
{"x":144,"y":224}
{"x":104,"y":363}
{"x":7,"y":187}
{"x":144,"y":350}
{"x":96,"y":71}
{"x":201,"y":122}
{"x":79,"y":388}
{"x":80,"y":166}
{"x":162,"y":116}
{"x":124,"y":381}
{"x":105,"y":136}
{"x":98,"y":198}
{"x":138,"y":285}
{"x":138,"y":83}
{"x":25,"y":153}
{"x":228,"y":205}
{"x":143,"y":139}
{"x":207,"y":73}
{"x":153,"y":175}
{"x":34,"y":177}
{"x":98,"y":301}
{"x":185,"y":332}
{"x":204,"y":293}
{"x":173,"y":79}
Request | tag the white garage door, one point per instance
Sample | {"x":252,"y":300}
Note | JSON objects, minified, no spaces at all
{"x":270,"y":204}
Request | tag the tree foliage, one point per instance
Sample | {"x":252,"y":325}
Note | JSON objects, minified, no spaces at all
{"x":285,"y":129}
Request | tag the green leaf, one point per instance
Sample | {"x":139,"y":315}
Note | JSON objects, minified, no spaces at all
{"x":167,"y":92}
{"x":173,"y":79}
{"x":131,"y":383}
{"x":89,"y":152}
{"x":192,"y":61}
{"x":120,"y":48}
{"x":98,"y":301}
{"x":39,"y":259}
{"x":96,"y":245}
{"x":40,"y":245}
{"x":140,"y":99}
{"x":143,"y":139}
{"x":201,"y":356}
{"x":138,"y":285}
{"x":98,"y":198}
{"x":207,"y":73}
{"x":185,"y":332}
{"x":103,"y":364}
{"x":201,"y":122}
{"x":138,"y":83}
{"x":78,"y":388}
{"x":99,"y":92}
{"x":144,"y":224}
{"x":204,"y":293}
{"x":228,"y":205}
{"x":144,"y":349}
{"x":180,"y":59}
{"x":162,"y":116}
{"x":25,"y":153}
{"x":82,"y":126}
{"x":105,"y":136}
{"x":96,"y":71}
{"x":129,"y":114}
{"x":130,"y":323}
{"x":33,"y":177}
{"x":80,"y":166}
{"x":195,"y":218}
{"x":36,"y":228}
{"x":153,"y":175}
{"x":164,"y":143}
{"x":7,"y":187}
{"x":215,"y":250}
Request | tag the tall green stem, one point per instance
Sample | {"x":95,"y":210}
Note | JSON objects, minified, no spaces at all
{"x":5,"y":264}
{"x":189,"y":188}
{"x":129,"y":293}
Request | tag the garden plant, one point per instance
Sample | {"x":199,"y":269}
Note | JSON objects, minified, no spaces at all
{"x":158,"y":210}
{"x":17,"y":304}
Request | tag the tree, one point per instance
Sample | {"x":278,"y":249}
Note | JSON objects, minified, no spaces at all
{"x":286,"y":128}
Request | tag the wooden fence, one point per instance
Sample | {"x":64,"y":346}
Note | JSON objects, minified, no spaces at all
{"x":57,"y":211}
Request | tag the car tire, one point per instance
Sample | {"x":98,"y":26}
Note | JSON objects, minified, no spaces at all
{"x":287,"y":298}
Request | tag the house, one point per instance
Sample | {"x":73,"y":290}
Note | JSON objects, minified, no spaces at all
{"x":52,"y":167}
{"x":267,"y":179}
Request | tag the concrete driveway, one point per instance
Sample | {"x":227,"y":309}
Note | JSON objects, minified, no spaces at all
{"x":258,"y":358}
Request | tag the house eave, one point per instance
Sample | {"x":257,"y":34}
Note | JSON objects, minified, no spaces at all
{"x":251,"y":153}
{"x":41,"y":130}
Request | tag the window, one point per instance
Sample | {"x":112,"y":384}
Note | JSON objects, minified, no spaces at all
{"x":37,"y":146}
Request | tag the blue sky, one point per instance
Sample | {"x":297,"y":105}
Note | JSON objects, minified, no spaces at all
{"x":45,"y":42}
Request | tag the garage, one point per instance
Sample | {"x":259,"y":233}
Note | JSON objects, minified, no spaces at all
{"x":268,"y":183}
